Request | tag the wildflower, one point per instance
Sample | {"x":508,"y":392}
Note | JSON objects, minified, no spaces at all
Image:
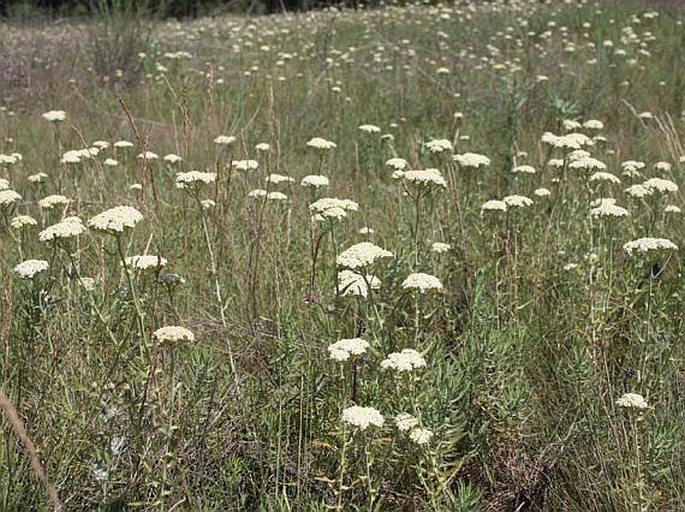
{"x":122,"y":144}
{"x":423,"y":178}
{"x":588,"y":163}
{"x":314,"y":181}
{"x":279,"y":178}
{"x":145,"y":262}
{"x":101,"y":144}
{"x":245,"y":165}
{"x":22,"y":221}
{"x":604,"y":176}
{"x":49,"y":202}
{"x":362,"y":255}
{"x":660,"y":185}
{"x":632,"y":165}
{"x":224,"y":140}
{"x":147,"y":155}
{"x":207,"y":204}
{"x":439,"y":145}
{"x":4,"y":184}
{"x":663,"y":166}
{"x":593,"y":124}
{"x":362,"y":417}
{"x":111,"y":162}
{"x":399,"y":164}
{"x":342,"y":350}
{"x":276,"y":196}
{"x":645,"y":245}
{"x":369,"y":128}
{"x":366,"y":231}
{"x":29,"y":268}
{"x":69,"y":227}
{"x":257,"y":193}
{"x":351,"y":283}
{"x":405,"y":421}
{"x":422,"y":282}
{"x":517,"y":201}
{"x":638,"y":191}
{"x":440,"y":247}
{"x":321,"y":143}
{"x":173,"y":333}
{"x":405,"y":361}
{"x":172,"y":158}
{"x":632,"y":401}
{"x":570,"y":125}
{"x":474,"y":160}
{"x":332,"y":208}
{"x":194,"y":179}
{"x":8,"y":197}
{"x":262,"y":147}
{"x":116,"y":220}
{"x":523,"y":169}
{"x":494,"y":205}
{"x":607,"y":207}
{"x":542,"y":192}
{"x":421,"y":435}
{"x":671,"y":208}
{"x":556,"y":162}
{"x":55,"y":116}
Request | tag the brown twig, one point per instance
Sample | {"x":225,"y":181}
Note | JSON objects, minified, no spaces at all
{"x":18,"y":426}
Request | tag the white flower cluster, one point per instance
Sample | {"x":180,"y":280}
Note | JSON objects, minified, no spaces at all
{"x":439,"y":145}
{"x":55,"y":116}
{"x":424,"y":178}
{"x":353,"y":284}
{"x":245,"y":165}
{"x":660,"y":185}
{"x":493,"y":205}
{"x":645,"y":245}
{"x":363,"y":254}
{"x":186,"y":179}
{"x":604,"y":177}
{"x":321,"y":143}
{"x":173,"y":333}
{"x":362,"y":417}
{"x":607,"y":207}
{"x":332,"y":208}
{"x":279,"y":178}
{"x":145,"y":262}
{"x":4,"y":184}
{"x":342,"y":350}
{"x":399,"y":164}
{"x":8,"y":197}
{"x":632,"y":401}
{"x":405,"y":421}
{"x":517,"y":201}
{"x":22,"y":221}
{"x":29,"y":268}
{"x":67,"y":228}
{"x":49,"y":202}
{"x":524,"y":169}
{"x":422,"y":282}
{"x":314,"y":181}
{"x":405,"y":361}
{"x":116,"y":220}
{"x":224,"y":140}
{"x":369,"y":128}
{"x":474,"y":160}
{"x":638,"y":191}
{"x":587,"y":163}
{"x":440,"y":247}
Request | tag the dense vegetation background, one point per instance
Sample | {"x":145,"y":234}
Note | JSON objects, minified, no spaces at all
{"x":539,"y":332}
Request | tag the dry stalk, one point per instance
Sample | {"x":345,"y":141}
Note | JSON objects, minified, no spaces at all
{"x":18,"y":426}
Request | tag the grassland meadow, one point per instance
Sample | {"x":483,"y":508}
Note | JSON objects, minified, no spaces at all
{"x":415,"y":257}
